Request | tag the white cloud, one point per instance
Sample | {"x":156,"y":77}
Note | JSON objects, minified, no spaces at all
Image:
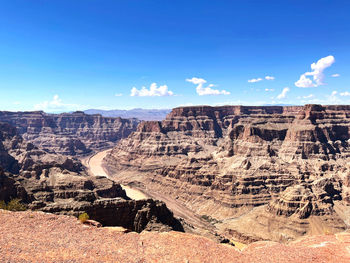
{"x":313,"y":101}
{"x":255,"y":80}
{"x":333,"y":99}
{"x":345,"y":94}
{"x":207,"y":90}
{"x":185,"y":104}
{"x":269,"y":90}
{"x":56,"y":105}
{"x":317,"y":73}
{"x":308,"y":96}
{"x":336,"y":75}
{"x":153,"y":91}
{"x":329,"y":99}
{"x":260,"y":79}
{"x":283,"y":93}
{"x":118,"y":94}
{"x":240,"y":102}
{"x":304,"y":82}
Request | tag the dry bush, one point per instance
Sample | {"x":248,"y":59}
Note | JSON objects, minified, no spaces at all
{"x":83,"y":217}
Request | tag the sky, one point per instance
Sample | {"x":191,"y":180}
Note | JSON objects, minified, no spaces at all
{"x":64,"y":55}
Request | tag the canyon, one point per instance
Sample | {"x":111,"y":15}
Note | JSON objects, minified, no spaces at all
{"x":244,"y":176}
{"x":253,"y":173}
{"x":70,"y":134}
{"x":55,"y":183}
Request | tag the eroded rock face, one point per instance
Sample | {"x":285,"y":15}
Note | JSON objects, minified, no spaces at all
{"x":224,"y":161}
{"x":69,"y":133}
{"x":58,"y":184}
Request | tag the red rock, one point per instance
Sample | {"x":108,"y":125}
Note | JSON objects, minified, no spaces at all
{"x":40,"y":237}
{"x":290,"y":162}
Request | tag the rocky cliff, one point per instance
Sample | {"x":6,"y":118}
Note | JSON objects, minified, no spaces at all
{"x":282,"y":171}
{"x":58,"y":184}
{"x":69,"y":133}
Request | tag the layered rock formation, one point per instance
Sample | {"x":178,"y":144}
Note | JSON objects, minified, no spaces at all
{"x":58,"y":184}
{"x":284,"y":168}
{"x":69,"y":133}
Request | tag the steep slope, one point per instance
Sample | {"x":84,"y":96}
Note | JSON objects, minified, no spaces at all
{"x":58,"y":184}
{"x":282,"y":169}
{"x":69,"y":133}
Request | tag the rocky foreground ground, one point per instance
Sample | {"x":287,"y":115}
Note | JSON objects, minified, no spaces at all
{"x":41,"y":237}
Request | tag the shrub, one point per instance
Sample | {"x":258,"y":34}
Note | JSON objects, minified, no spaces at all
{"x":327,"y":231}
{"x":16,"y":205}
{"x":83,"y":217}
{"x":3,"y":204}
{"x":210,"y":219}
{"x":13,"y":205}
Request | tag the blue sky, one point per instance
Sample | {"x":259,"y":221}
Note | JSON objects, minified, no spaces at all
{"x":63,"y":55}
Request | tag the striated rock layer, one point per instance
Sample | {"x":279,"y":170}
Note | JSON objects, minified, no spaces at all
{"x":69,"y":133}
{"x":58,"y":184}
{"x":285,"y":170}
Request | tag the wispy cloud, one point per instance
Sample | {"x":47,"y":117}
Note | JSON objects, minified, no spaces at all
{"x":333,"y":97}
{"x":240,"y":102}
{"x":310,"y":96}
{"x":316,"y":73}
{"x":153,"y":91}
{"x":56,"y":105}
{"x":269,"y":90}
{"x":335,"y":75}
{"x":344,"y":94}
{"x":201,"y":91}
{"x":186,"y":104}
{"x":118,"y":94}
{"x":283,"y":93}
{"x":255,"y":80}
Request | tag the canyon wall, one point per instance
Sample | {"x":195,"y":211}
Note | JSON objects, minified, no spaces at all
{"x":58,"y":184}
{"x":69,"y":133}
{"x":285,"y":170}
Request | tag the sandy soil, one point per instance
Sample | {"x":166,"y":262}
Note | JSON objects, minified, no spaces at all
{"x":94,"y":163}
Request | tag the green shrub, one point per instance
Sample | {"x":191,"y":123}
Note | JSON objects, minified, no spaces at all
{"x":3,"y":205}
{"x":83,"y":217}
{"x":13,"y":205}
{"x":16,"y":205}
{"x":210,"y":219}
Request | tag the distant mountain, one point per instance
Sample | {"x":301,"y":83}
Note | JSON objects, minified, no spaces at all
{"x":141,"y":114}
{"x":280,"y":104}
